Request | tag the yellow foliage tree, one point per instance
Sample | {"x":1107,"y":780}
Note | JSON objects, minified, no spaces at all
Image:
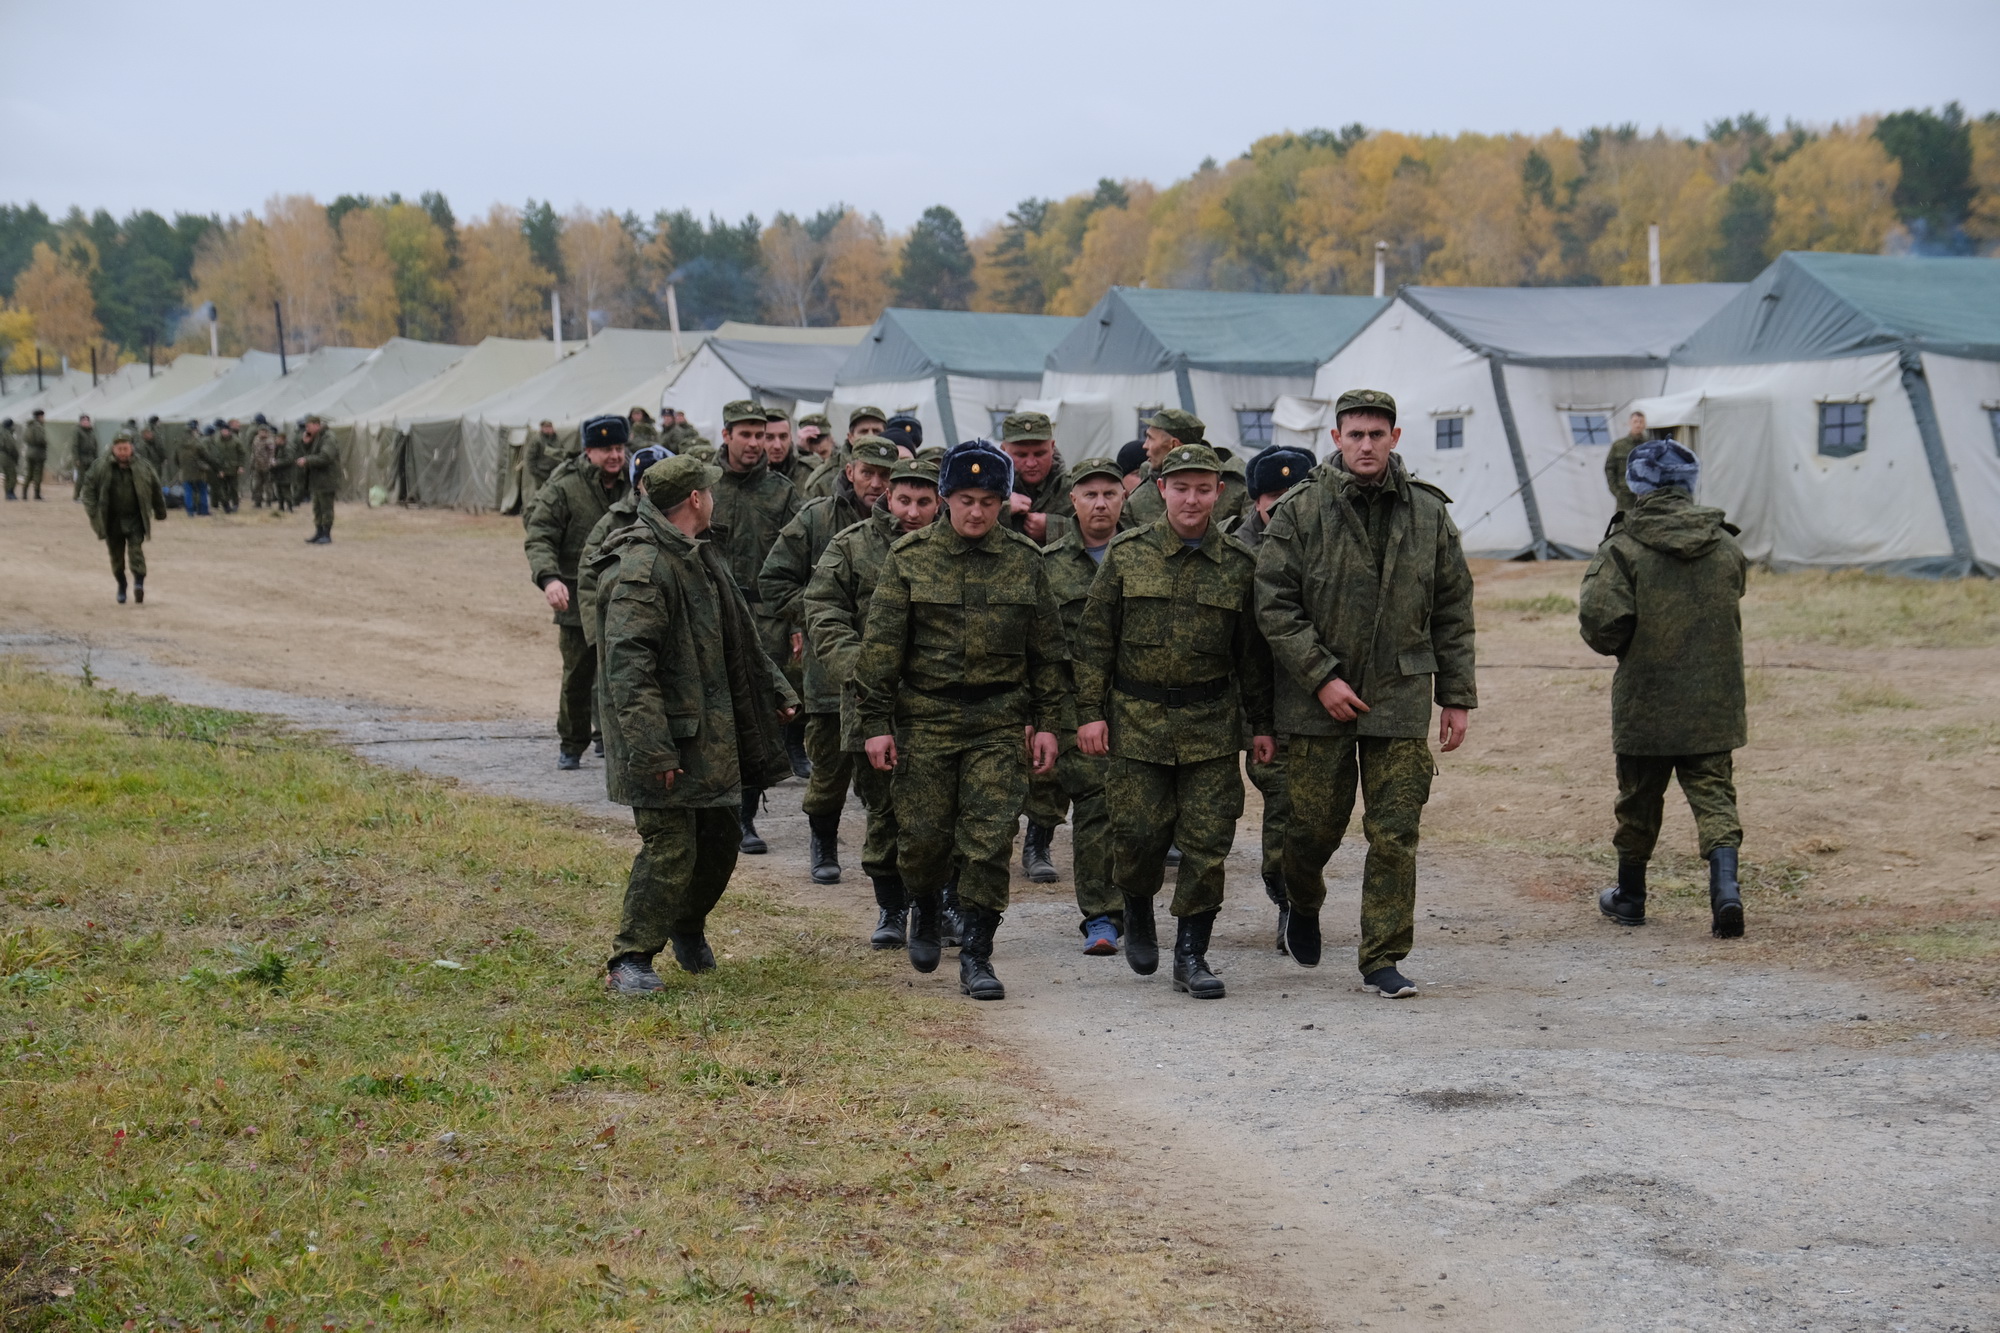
{"x":1835,"y":193}
{"x":368,"y":305}
{"x":793,"y":266}
{"x":501,"y":289}
{"x":1984,"y":221}
{"x":232,"y":268}
{"x":305,"y":262}
{"x":1113,"y":253}
{"x":858,"y":267}
{"x":17,"y":340}
{"x":55,"y":291}
{"x":421,"y":258}
{"x":598,"y":258}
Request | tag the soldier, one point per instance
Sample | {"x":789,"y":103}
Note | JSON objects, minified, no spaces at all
{"x":34,"y":453}
{"x":1233,"y":504}
{"x":622,"y":512}
{"x":861,"y":421}
{"x":1616,"y":461}
{"x":1164,"y":430}
{"x":1662,"y":597}
{"x":962,"y":657}
{"x":1132,"y":464}
{"x":752,"y":505}
{"x":786,"y":461}
{"x":1097,"y":501}
{"x":122,"y":497}
{"x":787,"y":570}
{"x":151,"y":448}
{"x":82,"y":455}
{"x":541,"y":458}
{"x":10,"y":456}
{"x":1366,"y":602}
{"x":815,"y":438}
{"x":836,"y":601}
{"x":643,"y":433}
{"x":577,"y":496}
{"x":1169,"y":665}
{"x":319,"y":459}
{"x":229,"y":459}
{"x":691,"y":706}
{"x":1041,"y":488}
{"x":192,"y":457}
{"x":263,"y":453}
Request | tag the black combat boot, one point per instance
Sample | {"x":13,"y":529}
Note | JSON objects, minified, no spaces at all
{"x":975,"y":955}
{"x":825,"y":848}
{"x":1625,"y":901}
{"x":1191,"y":972}
{"x":1274,"y":889}
{"x":1725,"y":898}
{"x":691,"y":949}
{"x":139,"y":589}
{"x":121,"y":589}
{"x":746,"y":820}
{"x":925,"y":909}
{"x":951,"y":915}
{"x":795,"y":749}
{"x":1035,"y":860}
{"x":1142,"y":947}
{"x":890,"y":931}
{"x":1302,"y":936}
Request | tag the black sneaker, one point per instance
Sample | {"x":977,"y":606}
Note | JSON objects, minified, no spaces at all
{"x":567,"y":761}
{"x":1388,"y":983}
{"x":632,"y":975}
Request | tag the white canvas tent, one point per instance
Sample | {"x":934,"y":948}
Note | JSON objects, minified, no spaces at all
{"x":959,"y":371}
{"x":135,"y":395}
{"x":1846,"y":409}
{"x":411,"y":445}
{"x":790,"y":376}
{"x":1509,"y":397}
{"x":394,"y":368}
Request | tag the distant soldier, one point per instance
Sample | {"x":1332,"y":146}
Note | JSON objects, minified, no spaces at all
{"x":230,"y":458}
{"x":540,"y":458}
{"x":319,"y":460}
{"x":10,"y":456}
{"x":643,"y":432}
{"x":1041,"y":489}
{"x":1097,"y":499}
{"x":263,"y":460}
{"x":1365,"y":599}
{"x":82,"y":454}
{"x":861,"y":421}
{"x":782,"y":584}
{"x":1234,"y":503}
{"x":1620,"y":456}
{"x":192,"y":456}
{"x":152,"y":448}
{"x":815,"y":438}
{"x":1662,"y":597}
{"x":752,"y":505}
{"x":691,"y":706}
{"x":1164,"y":430}
{"x":577,"y":496}
{"x":1169,"y":666}
{"x":786,"y":461}
{"x":122,"y":497}
{"x":961,"y":661}
{"x":35,"y":453}
{"x":837,"y":600}
{"x":623,"y":511}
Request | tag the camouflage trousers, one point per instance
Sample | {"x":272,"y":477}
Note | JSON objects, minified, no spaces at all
{"x":33,"y":476}
{"x":960,"y":806}
{"x":322,"y":509}
{"x":10,"y":472}
{"x":833,"y":768}
{"x":879,"y":844}
{"x":226,"y":491}
{"x":127,"y":551}
{"x":579,"y":684}
{"x":1394,"y":774}
{"x":1156,"y":806}
{"x":1709,"y":782}
{"x":678,"y":875}
{"x":1269,"y":780}
{"x":1077,"y":785}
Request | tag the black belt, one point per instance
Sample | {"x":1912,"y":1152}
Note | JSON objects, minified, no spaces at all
{"x":970,"y":694}
{"x":1173,"y":696}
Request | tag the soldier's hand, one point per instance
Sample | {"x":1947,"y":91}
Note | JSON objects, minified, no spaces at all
{"x":1340,"y":701}
{"x":798,"y":643}
{"x":1045,"y":751}
{"x":1451,"y":728}
{"x":667,"y":779}
{"x":558,"y":594}
{"x":1263,"y":749}
{"x":787,"y":714}
{"x":1035,"y":527}
{"x":881,"y":752}
{"x":1018,"y":503}
{"x":1094,"y":738}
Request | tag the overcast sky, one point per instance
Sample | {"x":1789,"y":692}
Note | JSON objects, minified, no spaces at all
{"x":893,"y":106}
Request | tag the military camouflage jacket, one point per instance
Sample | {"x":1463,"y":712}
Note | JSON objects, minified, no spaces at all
{"x":1051,"y":497}
{"x":322,"y":457}
{"x":194,"y":458}
{"x":541,"y":457}
{"x":820,"y":481}
{"x":100,"y":504}
{"x":229,"y":453}
{"x":797,"y":468}
{"x":264,"y":449}
{"x":952,"y":620}
{"x":560,"y":521}
{"x":1662,"y":597}
{"x":789,"y":568}
{"x":616,"y":517}
{"x":1614,"y":470}
{"x":754,"y":507}
{"x":1161,"y":614}
{"x":1071,"y":571}
{"x":1399,"y":634}
{"x":836,"y":610}
{"x":35,"y":442}
{"x":684,"y":686}
{"x":83,"y":452}
{"x":10,"y":447}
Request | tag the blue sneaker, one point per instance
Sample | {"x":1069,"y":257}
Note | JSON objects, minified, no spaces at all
{"x":1100,"y":937}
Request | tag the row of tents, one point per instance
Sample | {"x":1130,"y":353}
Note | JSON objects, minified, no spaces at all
{"x":1846,"y":407}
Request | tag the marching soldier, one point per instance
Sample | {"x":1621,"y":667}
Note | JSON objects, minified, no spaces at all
{"x":35,"y":453}
{"x":1662,"y":597}
{"x":1366,"y":602}
{"x":263,"y":458}
{"x":82,"y":454}
{"x":122,"y":496}
{"x":229,"y":461}
{"x":962,"y":659}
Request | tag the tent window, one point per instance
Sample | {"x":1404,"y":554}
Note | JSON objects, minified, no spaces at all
{"x":1146,"y":414}
{"x":1589,"y":428}
{"x":998,"y":416}
{"x":1993,"y":420}
{"x":1253,"y":427}
{"x":1451,"y":432}
{"x":1843,"y":429}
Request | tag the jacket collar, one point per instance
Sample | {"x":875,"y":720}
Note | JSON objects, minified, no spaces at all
{"x":1161,"y":533}
{"x":958,"y":545}
{"x":666,"y":534}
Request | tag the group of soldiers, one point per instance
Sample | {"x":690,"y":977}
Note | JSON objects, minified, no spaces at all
{"x":963,"y":637}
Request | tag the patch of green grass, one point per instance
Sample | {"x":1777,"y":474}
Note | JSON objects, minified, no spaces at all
{"x":1549,"y":604}
{"x":1856,"y":610}
{"x":1868,"y":695}
{"x":1971,"y":941}
{"x":241,"y":1093}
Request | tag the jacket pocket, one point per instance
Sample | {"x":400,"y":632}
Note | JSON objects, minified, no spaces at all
{"x":1147,"y":614}
{"x":1010,"y":617}
{"x":683,"y":725}
{"x":1214,"y":628}
{"x":1417,"y":662}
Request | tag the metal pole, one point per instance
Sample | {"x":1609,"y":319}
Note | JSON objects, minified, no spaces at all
{"x":1381,"y":267}
{"x":149,"y":357}
{"x":93,"y":365}
{"x":214,"y":334}
{"x":38,"y":367}
{"x":674,"y":322}
{"x":555,"y":319}
{"x":278,"y":311}
{"x":1653,"y":254}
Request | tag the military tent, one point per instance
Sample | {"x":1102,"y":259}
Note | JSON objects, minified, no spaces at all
{"x":305,"y":376}
{"x":134,"y":395}
{"x":412,"y":445}
{"x":959,"y":371}
{"x":792,"y":377}
{"x":394,"y":368}
{"x":1509,"y":397}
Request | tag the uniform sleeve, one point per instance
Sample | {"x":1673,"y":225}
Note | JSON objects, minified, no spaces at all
{"x":159,"y":499}
{"x":637,"y":628}
{"x":93,"y":491}
{"x":1457,"y":681}
{"x":1253,"y":670}
{"x":787,"y":570}
{"x":832,"y":627}
{"x":547,"y":518}
{"x":885,"y":640}
{"x":1048,"y":659}
{"x":1282,"y":617}
{"x":1096,"y":646}
{"x":1607,"y":611}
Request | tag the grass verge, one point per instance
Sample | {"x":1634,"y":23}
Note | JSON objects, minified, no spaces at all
{"x":290,"y":1042}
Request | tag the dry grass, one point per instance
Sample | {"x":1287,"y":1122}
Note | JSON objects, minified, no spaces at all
{"x":1853,"y":610}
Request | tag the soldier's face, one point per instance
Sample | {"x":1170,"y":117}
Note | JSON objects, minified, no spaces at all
{"x":1190,"y":498}
{"x":861,"y":426}
{"x":870,"y":483}
{"x":83,"y":421}
{"x":778,"y":440}
{"x":1098,"y":502}
{"x":744,"y":444}
{"x":1267,"y":502}
{"x":1158,"y":442}
{"x":1637,"y":424}
{"x":608,"y":460}
{"x":974,"y":512}
{"x":122,"y":451}
{"x":914,"y":505}
{"x":1033,"y":459}
{"x":1365,"y":442}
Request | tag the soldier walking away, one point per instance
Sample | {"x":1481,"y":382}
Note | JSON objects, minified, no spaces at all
{"x":836,"y":609}
{"x":1364,"y":597}
{"x":122,"y":497}
{"x":578,"y":494}
{"x":319,"y":459}
{"x":1169,"y":666}
{"x":787,"y":571}
{"x":230,"y":457}
{"x":1620,"y":456}
{"x":691,"y":706}
{"x":82,"y":455}
{"x":752,"y":505}
{"x":35,"y":453}
{"x":10,"y":456}
{"x":193,"y":459}
{"x":1662,"y":597}
{"x":962,"y":659}
{"x":1097,"y":499}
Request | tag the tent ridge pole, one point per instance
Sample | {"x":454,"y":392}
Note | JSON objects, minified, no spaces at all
{"x":942,"y":383}
{"x":1183,"y":385}
{"x":1528,"y":502}
{"x":1917,"y":388}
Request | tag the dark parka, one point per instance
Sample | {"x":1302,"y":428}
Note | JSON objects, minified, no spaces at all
{"x":35,"y":441}
{"x":10,"y":448}
{"x":322,"y":457}
{"x":789,"y":568}
{"x":1662,"y":597}
{"x":585,"y":600}
{"x":1399,"y":633}
{"x":565,"y":510}
{"x":836,"y":610}
{"x":752,"y":508}
{"x":83,"y":453}
{"x":107,"y":504}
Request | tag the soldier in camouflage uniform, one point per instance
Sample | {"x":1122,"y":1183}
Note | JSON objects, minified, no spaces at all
{"x":539,"y":460}
{"x":786,"y":460}
{"x":783,"y":581}
{"x":122,"y":497}
{"x":1164,"y":430}
{"x":962,"y":656}
{"x":1662,"y":597}
{"x":1365,"y":599}
{"x":192,"y":457}
{"x":230,"y":458}
{"x":622,"y":512}
{"x":34,"y":453}
{"x":815,"y":440}
{"x":10,"y":456}
{"x":263,"y":458}
{"x":1097,"y":499}
{"x":319,"y":460}
{"x":83,"y":453}
{"x":752,"y":505}
{"x":1621,"y":454}
{"x":1169,"y":666}
{"x":566,"y":510}
{"x":861,"y":421}
{"x":691,"y":706}
{"x":642,"y":431}
{"x":1041,"y":488}
{"x":836,"y":608}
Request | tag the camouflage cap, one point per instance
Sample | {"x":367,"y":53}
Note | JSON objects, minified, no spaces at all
{"x":773,"y":414}
{"x":931,"y":453}
{"x":1095,"y":467}
{"x":866,"y":413}
{"x":124,"y":433}
{"x":815,"y":419}
{"x":671,"y":481}
{"x":1364,"y":400}
{"x":739,"y":411}
{"x":1183,"y":426}
{"x":1195,"y":457}
{"x":314,"y":420}
{"x":1022,"y":426}
{"x":873,"y":451}
{"x":923,"y":470}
